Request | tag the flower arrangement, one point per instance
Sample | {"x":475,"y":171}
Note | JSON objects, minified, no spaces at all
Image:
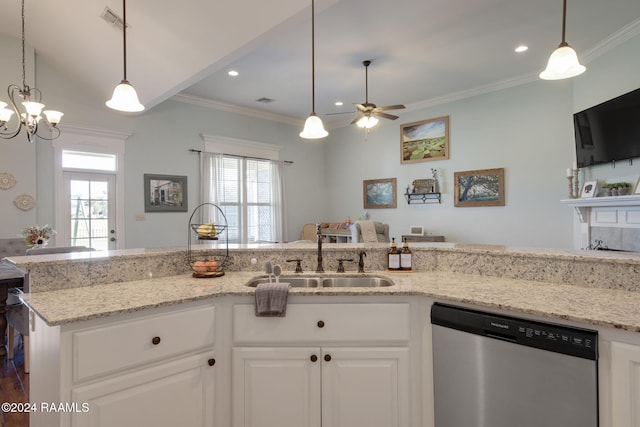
{"x":37,"y":236}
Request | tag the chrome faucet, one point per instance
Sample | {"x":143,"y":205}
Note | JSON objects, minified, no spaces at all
{"x":319,"y":268}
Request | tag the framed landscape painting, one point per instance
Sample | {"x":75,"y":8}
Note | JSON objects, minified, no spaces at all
{"x":165,"y":193}
{"x":379,"y":193}
{"x":479,"y":188}
{"x":425,"y":140}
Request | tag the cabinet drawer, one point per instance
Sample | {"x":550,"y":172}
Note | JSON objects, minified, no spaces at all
{"x":132,"y":343}
{"x":339,"y":323}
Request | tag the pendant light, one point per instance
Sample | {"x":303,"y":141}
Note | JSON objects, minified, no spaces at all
{"x":313,"y":127}
{"x":124,"y":96}
{"x":563,"y":62}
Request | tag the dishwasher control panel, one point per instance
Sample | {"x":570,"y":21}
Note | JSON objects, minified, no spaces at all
{"x":568,"y":340}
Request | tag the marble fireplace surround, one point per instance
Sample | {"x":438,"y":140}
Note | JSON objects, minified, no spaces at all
{"x":615,"y":221}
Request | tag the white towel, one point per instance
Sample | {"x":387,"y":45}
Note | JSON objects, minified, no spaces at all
{"x":271,"y":299}
{"x":368,"y":231}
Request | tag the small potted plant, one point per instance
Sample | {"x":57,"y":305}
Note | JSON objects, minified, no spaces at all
{"x":616,"y":188}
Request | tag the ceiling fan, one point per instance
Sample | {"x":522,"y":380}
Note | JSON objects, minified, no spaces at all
{"x":369,"y":111}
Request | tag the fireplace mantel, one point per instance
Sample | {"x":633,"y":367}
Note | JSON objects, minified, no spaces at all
{"x":613,"y":220}
{"x":582,"y":206}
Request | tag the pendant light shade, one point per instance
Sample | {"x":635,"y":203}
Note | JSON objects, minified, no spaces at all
{"x":125,"y":97}
{"x":313,"y":127}
{"x":563,"y":62}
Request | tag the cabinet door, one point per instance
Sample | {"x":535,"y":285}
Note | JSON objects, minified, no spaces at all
{"x":625,"y":385}
{"x":178,"y":393}
{"x":365,"y":387}
{"x":276,"y":387}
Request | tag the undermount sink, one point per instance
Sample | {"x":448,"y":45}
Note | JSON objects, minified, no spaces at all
{"x":327,"y":282}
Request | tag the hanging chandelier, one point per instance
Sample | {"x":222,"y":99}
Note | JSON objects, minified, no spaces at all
{"x":125,"y":97}
{"x":29,"y":113}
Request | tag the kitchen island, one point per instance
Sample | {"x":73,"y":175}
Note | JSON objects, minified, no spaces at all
{"x":86,"y":305}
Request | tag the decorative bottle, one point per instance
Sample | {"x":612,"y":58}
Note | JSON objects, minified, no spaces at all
{"x":405,"y":256}
{"x":393,"y":256}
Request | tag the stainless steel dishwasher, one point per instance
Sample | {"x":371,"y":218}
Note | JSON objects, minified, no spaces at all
{"x":497,"y":371}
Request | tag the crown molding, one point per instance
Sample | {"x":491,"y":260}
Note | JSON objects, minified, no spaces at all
{"x":232,"y":108}
{"x":614,"y":40}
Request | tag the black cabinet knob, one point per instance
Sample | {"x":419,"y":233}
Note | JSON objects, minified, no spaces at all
{"x":320,"y":324}
{"x":314,"y":358}
{"x":155,"y":340}
{"x":211,"y":362}
{"x":327,"y":358}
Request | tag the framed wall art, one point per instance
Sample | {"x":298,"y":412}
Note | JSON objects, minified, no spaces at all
{"x":425,"y":140}
{"x":479,"y":188}
{"x":165,"y":193}
{"x":379,"y":193}
{"x":589,"y":189}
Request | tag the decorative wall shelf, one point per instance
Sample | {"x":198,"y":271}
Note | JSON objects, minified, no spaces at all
{"x":422,"y":197}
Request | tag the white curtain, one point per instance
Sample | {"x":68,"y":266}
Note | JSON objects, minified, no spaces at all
{"x":213,"y":190}
{"x":279,"y":202}
{"x":212,"y":172}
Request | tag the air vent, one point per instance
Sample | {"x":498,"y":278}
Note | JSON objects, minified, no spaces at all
{"x":265,"y":100}
{"x":110,"y":16}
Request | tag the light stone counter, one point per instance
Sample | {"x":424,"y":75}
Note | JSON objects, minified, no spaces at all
{"x":590,"y":306}
{"x":588,"y":287}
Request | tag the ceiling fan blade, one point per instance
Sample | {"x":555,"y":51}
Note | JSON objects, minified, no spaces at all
{"x":391,"y":107}
{"x":357,"y":118}
{"x":384,"y":115}
{"x":361,"y":107}
{"x":344,"y":112}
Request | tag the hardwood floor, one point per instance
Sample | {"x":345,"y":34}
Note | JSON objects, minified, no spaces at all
{"x":14,"y":388}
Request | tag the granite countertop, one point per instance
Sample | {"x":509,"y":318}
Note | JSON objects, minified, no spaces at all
{"x":589,"y":306}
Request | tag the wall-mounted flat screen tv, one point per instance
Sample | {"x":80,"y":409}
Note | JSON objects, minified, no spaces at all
{"x":608,"y":132}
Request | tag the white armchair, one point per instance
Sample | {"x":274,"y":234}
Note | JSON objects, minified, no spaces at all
{"x":381,"y":230}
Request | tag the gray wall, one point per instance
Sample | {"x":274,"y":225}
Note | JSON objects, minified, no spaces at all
{"x":525,"y":129}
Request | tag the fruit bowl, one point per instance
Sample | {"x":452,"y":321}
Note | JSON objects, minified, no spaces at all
{"x":206,"y":269}
{"x":207,"y":231}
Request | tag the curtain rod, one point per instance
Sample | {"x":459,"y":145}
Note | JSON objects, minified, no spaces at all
{"x":288,"y":162}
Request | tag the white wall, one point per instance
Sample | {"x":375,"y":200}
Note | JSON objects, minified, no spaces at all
{"x":526,"y":130}
{"x":17,"y":156}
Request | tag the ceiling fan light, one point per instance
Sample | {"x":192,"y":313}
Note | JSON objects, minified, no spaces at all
{"x":125,"y":98}
{"x":367,"y":122}
{"x":313,"y":128}
{"x":563,"y":64}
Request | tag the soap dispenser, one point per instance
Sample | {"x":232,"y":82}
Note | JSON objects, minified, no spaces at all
{"x":393,"y":256}
{"x":405,"y":256}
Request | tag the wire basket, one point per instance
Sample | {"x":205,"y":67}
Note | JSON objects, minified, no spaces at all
{"x":204,"y":263}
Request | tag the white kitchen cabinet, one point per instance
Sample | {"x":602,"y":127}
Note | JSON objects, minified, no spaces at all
{"x":625,"y":385}
{"x":320,"y":387}
{"x":323,"y":365}
{"x":155,"y":367}
{"x":178,"y":393}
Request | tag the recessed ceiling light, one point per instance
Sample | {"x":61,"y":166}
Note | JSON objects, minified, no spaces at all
{"x":521,"y":48}
{"x":233,"y":73}
{"x":339,"y":104}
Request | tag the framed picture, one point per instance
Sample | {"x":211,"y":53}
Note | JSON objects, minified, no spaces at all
{"x":425,"y":140}
{"x":416,"y":230}
{"x":589,"y":189}
{"x":637,"y":188}
{"x":479,"y":188}
{"x":165,"y":193}
{"x":379,"y":193}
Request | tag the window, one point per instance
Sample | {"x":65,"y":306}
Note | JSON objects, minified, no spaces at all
{"x":249,"y":192}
